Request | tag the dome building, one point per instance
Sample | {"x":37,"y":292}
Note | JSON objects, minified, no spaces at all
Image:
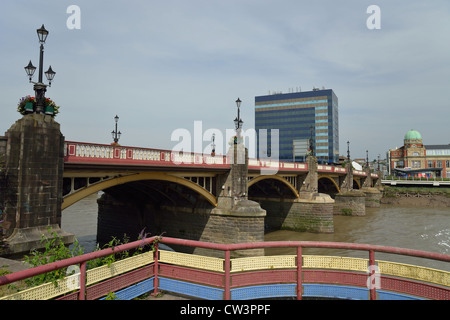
{"x":413,"y":135}
{"x":416,"y":159}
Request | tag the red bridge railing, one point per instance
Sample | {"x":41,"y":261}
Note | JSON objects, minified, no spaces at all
{"x":256,"y":277}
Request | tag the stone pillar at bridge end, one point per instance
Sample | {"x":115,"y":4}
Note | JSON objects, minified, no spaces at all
{"x":34,"y":163}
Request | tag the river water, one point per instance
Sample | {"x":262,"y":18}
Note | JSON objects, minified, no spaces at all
{"x":426,"y":229}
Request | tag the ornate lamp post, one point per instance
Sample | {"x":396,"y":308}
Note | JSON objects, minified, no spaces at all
{"x":348,"y":151}
{"x":39,"y":87}
{"x":238,"y":121}
{"x":116,"y":134}
{"x":367,"y":158}
{"x":311,"y":141}
{"x":213,"y":145}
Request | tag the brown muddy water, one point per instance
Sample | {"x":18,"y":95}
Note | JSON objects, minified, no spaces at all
{"x":419,"y":228}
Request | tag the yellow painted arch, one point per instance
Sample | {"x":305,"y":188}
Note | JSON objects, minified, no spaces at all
{"x":331,"y":179}
{"x":263,"y":177}
{"x":83,"y":193}
{"x":358,"y":183}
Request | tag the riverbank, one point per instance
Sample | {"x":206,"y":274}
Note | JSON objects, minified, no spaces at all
{"x":416,"y":197}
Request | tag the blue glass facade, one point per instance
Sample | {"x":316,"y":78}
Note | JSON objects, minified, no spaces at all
{"x":299,"y":116}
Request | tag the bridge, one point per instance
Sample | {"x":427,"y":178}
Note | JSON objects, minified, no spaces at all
{"x":91,"y":167}
{"x":214,"y":198}
{"x":190,"y":182}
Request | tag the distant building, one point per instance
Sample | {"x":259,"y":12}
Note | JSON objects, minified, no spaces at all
{"x":304,"y":119}
{"x":416,"y":159}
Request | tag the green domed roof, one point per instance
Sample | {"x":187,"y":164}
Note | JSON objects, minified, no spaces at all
{"x":413,"y":135}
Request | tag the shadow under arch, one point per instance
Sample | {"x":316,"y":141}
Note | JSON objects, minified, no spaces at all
{"x":78,"y":195}
{"x":275,"y":177}
{"x":328,"y":178}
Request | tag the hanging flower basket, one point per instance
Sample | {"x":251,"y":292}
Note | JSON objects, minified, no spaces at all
{"x":28,"y":105}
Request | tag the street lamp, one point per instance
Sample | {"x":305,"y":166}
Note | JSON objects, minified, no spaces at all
{"x":348,"y":151}
{"x":213,"y":145}
{"x":311,"y":141}
{"x":238,"y":121}
{"x":116,"y":134}
{"x":367,"y":158}
{"x":39,"y":87}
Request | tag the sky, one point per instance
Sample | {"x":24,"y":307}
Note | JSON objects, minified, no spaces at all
{"x":165,"y":66}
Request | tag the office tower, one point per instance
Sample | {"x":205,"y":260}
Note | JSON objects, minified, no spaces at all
{"x":303,"y":119}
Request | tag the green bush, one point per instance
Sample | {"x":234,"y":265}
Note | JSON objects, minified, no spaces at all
{"x":54,"y":250}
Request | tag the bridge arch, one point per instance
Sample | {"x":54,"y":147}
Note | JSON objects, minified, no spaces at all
{"x":356,"y":183}
{"x":275,"y":177}
{"x":80,"y":194}
{"x":328,"y":179}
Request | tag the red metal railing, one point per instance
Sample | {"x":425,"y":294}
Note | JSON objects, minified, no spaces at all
{"x":227,"y":249}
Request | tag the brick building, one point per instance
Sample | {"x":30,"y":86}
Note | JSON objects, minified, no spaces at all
{"x":416,"y":159}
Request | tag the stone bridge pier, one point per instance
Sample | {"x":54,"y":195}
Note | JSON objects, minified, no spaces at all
{"x":371,"y":190}
{"x":353,"y":202}
{"x":349,"y":201}
{"x":309,"y":210}
{"x":32,"y":151}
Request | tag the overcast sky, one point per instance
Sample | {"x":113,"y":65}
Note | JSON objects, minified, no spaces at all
{"x":161,"y":65}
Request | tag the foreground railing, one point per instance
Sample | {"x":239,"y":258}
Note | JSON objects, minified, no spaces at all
{"x":206,"y":277}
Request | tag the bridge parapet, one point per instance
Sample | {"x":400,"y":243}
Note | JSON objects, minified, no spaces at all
{"x":93,"y":153}
{"x":79,"y":152}
{"x":334,"y":169}
{"x":359,"y":173}
{"x":270,"y":167}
